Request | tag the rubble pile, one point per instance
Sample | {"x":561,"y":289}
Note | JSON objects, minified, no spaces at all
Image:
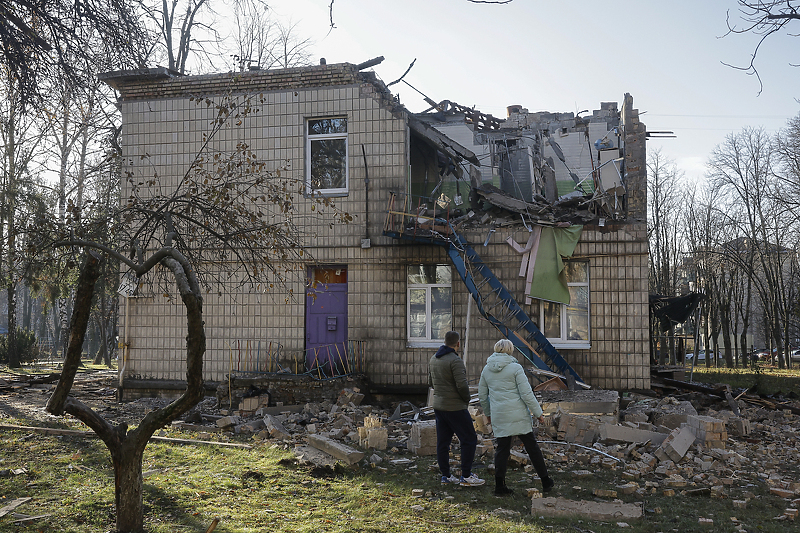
{"x":657,"y":446}
{"x":691,"y":444}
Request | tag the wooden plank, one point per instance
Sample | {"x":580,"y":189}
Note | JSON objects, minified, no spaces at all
{"x":21,"y":519}
{"x":91,"y":434}
{"x":13,"y":505}
{"x":179,"y":424}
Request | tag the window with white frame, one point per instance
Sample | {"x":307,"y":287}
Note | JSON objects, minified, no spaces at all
{"x":326,"y":156}
{"x":430,"y":304}
{"x":567,"y":325}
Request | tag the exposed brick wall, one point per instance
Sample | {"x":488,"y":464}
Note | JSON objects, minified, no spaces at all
{"x":635,"y":161}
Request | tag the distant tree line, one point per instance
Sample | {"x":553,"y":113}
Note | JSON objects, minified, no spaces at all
{"x":735,"y":238}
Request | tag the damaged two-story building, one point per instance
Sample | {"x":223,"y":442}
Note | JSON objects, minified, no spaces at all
{"x":531,"y":227}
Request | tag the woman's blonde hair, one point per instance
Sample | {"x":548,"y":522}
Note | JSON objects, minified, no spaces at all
{"x":504,"y":346}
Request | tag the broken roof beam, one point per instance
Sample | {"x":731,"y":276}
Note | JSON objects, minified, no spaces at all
{"x":481,"y":121}
{"x":441,"y":141}
{"x":499,"y":198}
{"x":371,"y":63}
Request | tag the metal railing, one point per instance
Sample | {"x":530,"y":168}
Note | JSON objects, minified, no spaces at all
{"x":253,"y":358}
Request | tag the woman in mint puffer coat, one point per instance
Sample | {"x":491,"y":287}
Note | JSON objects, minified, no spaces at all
{"x":507,"y":399}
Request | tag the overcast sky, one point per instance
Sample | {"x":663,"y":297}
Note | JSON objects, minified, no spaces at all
{"x":570,"y":55}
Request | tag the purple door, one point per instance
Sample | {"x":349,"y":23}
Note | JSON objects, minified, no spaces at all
{"x":326,"y":320}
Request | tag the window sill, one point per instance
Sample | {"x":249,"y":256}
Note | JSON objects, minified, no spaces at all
{"x":570,"y":345}
{"x":326,"y":194}
{"x":424,"y":344}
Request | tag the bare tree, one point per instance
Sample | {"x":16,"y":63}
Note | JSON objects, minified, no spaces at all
{"x":291,"y":49}
{"x":21,"y":144}
{"x":665,"y":229}
{"x":39,"y":39}
{"x":264,"y":42}
{"x":183,"y":28}
{"x":743,"y":169}
{"x":787,"y":145}
{"x":702,"y":225}
{"x":764,"y":19}
{"x":226,"y":218}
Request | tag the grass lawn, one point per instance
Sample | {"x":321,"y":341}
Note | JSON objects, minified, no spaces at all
{"x":264,"y":489}
{"x":763,"y":379}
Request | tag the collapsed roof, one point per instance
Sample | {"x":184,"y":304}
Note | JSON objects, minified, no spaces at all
{"x":543,"y":168}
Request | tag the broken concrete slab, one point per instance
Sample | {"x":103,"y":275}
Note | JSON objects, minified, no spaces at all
{"x":672,"y":413}
{"x":676,"y":445}
{"x":340,"y":451}
{"x":612,"y":433}
{"x":377,"y":438}
{"x":422,"y":438}
{"x":314,"y":456}
{"x":591,"y":402}
{"x":275,"y":428}
{"x":578,"y":429}
{"x":278,"y":409}
{"x":13,"y":505}
{"x":228,"y":422}
{"x":605,"y":511}
{"x":254,"y":426}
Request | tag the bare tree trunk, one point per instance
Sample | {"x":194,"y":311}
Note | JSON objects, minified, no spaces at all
{"x":726,"y":342}
{"x":27,"y":308}
{"x":56,"y":330}
{"x":671,"y":343}
{"x":127,"y":461}
{"x":13,"y":354}
{"x":100,"y":334}
{"x":127,"y":448}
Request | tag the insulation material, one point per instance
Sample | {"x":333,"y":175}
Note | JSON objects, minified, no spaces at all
{"x":549,"y":282}
{"x":529,"y":254}
{"x":579,"y":154}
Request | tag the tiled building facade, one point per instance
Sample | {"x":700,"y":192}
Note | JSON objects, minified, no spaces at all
{"x":164,"y":119}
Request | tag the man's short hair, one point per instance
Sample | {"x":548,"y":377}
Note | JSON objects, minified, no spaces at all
{"x":451,"y":338}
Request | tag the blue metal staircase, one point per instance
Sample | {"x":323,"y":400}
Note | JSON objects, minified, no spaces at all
{"x":494,"y":301}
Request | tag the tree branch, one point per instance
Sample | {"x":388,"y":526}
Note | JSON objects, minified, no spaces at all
{"x":80,"y":319}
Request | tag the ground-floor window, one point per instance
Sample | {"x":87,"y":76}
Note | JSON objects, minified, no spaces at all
{"x":567,"y":325}
{"x":430,"y":304}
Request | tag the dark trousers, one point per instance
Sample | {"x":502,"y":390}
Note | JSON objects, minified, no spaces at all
{"x":458,"y":423}
{"x":504,"y":450}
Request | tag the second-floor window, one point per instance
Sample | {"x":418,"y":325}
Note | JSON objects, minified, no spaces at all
{"x":326,"y":156}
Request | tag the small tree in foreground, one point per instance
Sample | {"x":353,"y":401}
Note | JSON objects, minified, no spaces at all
{"x":227,"y":216}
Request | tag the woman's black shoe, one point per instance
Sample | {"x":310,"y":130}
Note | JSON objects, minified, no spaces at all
{"x":502,"y":490}
{"x":548,"y":484}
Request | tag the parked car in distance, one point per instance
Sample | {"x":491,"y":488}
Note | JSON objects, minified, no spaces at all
{"x":701,"y":356}
{"x":795,"y":356}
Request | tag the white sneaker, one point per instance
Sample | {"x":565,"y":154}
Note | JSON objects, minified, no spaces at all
{"x":471,"y":481}
{"x":452,"y":480}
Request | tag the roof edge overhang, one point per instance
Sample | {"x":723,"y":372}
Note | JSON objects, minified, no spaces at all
{"x":117,"y":78}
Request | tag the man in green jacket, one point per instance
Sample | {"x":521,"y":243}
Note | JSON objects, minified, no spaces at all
{"x":448,"y":377}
